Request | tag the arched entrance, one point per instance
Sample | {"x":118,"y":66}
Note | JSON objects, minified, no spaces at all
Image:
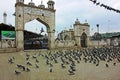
{"x":28,"y":12}
{"x":83,"y":40}
{"x":35,"y":36}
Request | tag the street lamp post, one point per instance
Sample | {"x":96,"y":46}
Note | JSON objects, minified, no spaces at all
{"x":98,"y":33}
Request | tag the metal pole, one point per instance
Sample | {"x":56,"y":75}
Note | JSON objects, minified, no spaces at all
{"x":98,"y":33}
{"x":97,"y":28}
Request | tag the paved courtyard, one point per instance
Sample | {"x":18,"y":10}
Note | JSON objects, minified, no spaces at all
{"x":39,"y":70}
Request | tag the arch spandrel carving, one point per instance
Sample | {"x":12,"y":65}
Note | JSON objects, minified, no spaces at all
{"x":44,"y":16}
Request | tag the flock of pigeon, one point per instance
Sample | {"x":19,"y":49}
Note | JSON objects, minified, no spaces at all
{"x":69,"y":59}
{"x":105,"y":6}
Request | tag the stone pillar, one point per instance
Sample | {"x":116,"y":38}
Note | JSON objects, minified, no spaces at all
{"x":51,"y":39}
{"x":20,"y":40}
{"x":19,"y":26}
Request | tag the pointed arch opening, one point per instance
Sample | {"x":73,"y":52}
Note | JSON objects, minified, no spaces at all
{"x":35,"y":35}
{"x":83,"y":40}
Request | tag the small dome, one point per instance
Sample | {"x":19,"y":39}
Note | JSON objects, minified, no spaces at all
{"x":4,"y":14}
{"x":77,"y":21}
{"x":41,"y":5}
{"x":51,"y":4}
{"x":51,"y":1}
{"x":31,"y":3}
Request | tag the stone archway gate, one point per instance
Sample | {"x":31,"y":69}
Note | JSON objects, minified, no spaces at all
{"x":29,"y":12}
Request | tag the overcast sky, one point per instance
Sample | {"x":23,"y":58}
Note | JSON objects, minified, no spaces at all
{"x":66,"y":13}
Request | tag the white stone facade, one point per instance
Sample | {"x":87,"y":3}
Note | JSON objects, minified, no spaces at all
{"x":75,"y":36}
{"x":28,"y":12}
